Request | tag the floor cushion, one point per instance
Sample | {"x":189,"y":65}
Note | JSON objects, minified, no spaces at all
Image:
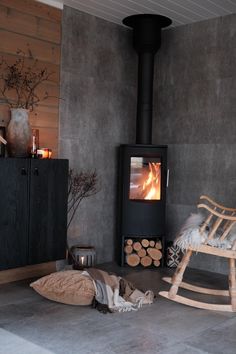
{"x":68,"y":287}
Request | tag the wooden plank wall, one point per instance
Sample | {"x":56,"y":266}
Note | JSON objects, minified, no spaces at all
{"x":35,"y":28}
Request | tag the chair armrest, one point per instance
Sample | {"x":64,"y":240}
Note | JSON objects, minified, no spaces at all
{"x":216,"y":204}
{"x":214,"y":212}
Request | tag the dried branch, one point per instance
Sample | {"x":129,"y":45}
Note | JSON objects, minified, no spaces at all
{"x":21,"y":81}
{"x":80,"y":186}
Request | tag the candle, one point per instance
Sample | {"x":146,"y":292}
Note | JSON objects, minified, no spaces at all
{"x":35,"y":142}
{"x":2,"y":140}
{"x":44,"y":153}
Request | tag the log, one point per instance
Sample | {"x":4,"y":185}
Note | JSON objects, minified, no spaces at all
{"x":146,"y":261}
{"x":133,"y":259}
{"x":137,"y":246}
{"x":145,"y":242}
{"x":152,"y":243}
{"x":129,"y":242}
{"x":128,"y":249}
{"x":154,"y":253}
{"x":158,"y":245}
{"x":156,"y":263}
{"x":142,"y":253}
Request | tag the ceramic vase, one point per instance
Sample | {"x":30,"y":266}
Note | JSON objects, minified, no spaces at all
{"x":19,"y":133}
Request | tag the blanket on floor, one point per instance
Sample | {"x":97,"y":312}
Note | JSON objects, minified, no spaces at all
{"x":116,"y":294}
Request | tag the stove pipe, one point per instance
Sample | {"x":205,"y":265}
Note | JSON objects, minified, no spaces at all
{"x":146,"y":41}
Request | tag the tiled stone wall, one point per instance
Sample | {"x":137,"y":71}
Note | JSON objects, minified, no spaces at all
{"x":195,"y":114}
{"x":97,"y":113}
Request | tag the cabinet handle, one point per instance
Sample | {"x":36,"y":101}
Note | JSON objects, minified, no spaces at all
{"x":36,"y":171}
{"x":23,"y":171}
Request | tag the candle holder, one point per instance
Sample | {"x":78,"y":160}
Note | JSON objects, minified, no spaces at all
{"x":44,"y":153}
{"x":83,"y":256}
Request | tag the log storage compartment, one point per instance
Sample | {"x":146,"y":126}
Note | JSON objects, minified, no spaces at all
{"x":143,"y":251}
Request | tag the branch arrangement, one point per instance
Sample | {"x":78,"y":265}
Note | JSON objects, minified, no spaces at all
{"x":19,"y":82}
{"x":80,"y":186}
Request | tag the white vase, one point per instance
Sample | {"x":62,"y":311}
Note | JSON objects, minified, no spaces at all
{"x":19,"y":133}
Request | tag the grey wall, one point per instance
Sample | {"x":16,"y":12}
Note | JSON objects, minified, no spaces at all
{"x":195,"y":114}
{"x":97,"y":113}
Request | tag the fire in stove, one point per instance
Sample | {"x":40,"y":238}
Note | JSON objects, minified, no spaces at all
{"x":145,"y":178}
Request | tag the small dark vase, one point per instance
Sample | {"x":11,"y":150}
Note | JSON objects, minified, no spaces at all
{"x":19,"y":133}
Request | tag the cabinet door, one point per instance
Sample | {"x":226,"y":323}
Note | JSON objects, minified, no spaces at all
{"x":48,"y":210}
{"x":14,"y":212}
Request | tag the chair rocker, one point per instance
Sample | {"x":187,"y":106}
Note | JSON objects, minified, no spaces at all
{"x":220,"y":241}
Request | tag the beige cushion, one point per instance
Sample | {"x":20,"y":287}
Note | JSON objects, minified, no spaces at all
{"x":69,"y":287}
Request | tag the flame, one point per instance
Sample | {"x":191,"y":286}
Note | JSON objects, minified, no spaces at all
{"x":152,"y":185}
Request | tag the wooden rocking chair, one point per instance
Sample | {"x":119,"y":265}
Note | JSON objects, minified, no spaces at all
{"x":219,"y":222}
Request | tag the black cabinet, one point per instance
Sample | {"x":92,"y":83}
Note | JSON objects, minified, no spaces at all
{"x":33,"y":211}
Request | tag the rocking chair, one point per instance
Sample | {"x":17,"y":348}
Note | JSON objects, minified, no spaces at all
{"x":220,"y":241}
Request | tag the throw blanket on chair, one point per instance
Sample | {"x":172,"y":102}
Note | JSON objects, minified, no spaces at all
{"x":108,"y":293}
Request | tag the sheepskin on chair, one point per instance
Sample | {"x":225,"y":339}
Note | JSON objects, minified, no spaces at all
{"x":189,"y":234}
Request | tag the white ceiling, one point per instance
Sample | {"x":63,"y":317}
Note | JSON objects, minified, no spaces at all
{"x":180,"y":11}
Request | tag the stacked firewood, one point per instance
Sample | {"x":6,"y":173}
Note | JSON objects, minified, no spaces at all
{"x":144,"y":252}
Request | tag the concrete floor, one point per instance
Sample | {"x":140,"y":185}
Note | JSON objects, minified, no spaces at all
{"x":30,"y":324}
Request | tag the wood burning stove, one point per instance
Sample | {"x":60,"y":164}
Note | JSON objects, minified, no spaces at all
{"x":143,"y":166}
{"x":142,"y":193}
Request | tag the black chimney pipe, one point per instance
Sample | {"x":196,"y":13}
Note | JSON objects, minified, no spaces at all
{"x":146,"y":41}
